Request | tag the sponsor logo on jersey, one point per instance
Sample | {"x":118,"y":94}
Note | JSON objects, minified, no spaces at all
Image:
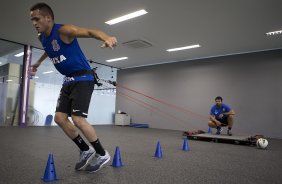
{"x":56,"y":46}
{"x":58,"y":59}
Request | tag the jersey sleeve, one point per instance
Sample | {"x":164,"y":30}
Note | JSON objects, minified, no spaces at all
{"x":212,"y":111}
{"x":227,"y":108}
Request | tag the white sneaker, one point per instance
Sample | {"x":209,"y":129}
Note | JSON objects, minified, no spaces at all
{"x":85,"y":157}
{"x":98,"y":162}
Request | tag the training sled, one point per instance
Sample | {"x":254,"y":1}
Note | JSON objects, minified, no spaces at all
{"x":222,"y":138}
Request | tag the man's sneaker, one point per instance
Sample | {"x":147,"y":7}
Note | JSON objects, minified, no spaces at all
{"x":219,"y":129}
{"x":98,"y":162}
{"x":229,"y":132}
{"x":85,"y":157}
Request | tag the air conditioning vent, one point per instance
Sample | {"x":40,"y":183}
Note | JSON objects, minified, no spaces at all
{"x":137,"y":44}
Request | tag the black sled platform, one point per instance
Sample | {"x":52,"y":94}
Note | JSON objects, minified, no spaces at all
{"x":222,"y":138}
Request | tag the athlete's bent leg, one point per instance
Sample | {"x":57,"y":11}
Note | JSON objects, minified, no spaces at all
{"x":87,"y":130}
{"x":212,"y":124}
{"x":62,"y":120}
{"x":230,"y":121}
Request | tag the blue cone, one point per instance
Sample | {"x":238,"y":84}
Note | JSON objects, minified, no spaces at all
{"x":158,"y":152}
{"x":50,"y":171}
{"x":209,"y":130}
{"x":185,"y":146}
{"x":117,"y":159}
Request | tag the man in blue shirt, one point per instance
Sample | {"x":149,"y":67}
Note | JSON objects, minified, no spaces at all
{"x":61,"y":46}
{"x":221,"y":115}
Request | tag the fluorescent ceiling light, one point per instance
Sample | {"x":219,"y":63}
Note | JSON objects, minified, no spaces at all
{"x":183,"y":48}
{"x":126,"y":17}
{"x":48,"y":72}
{"x":19,"y":54}
{"x":274,"y":33}
{"x":35,"y":77}
{"x":117,"y":59}
{"x":9,"y":80}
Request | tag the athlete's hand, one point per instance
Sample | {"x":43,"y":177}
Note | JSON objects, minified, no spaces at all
{"x":33,"y":69}
{"x":213,"y":118}
{"x":221,"y":116}
{"x":218,"y":124}
{"x":110,"y":42}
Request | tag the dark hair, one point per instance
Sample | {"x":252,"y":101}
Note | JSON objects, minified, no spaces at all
{"x":44,"y":8}
{"x":218,"y":98}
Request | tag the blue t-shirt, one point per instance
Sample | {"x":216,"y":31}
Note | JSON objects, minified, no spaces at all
{"x":216,"y":111}
{"x":67,"y":58}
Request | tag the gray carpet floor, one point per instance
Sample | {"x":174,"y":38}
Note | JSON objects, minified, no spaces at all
{"x":24,"y":154}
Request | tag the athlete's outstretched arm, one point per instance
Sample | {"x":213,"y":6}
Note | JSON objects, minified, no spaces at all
{"x":38,"y":63}
{"x":69,"y":32}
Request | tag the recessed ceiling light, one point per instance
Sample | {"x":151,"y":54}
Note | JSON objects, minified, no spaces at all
{"x":183,"y":48}
{"x":126,"y":17}
{"x":19,"y":54}
{"x":48,"y":72}
{"x":117,"y":59}
{"x":274,"y":33}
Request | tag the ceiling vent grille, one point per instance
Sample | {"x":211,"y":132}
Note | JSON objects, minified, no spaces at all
{"x":137,"y":44}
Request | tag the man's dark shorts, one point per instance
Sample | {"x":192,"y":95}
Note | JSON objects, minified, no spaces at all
{"x":223,"y":121}
{"x":75,"y":98}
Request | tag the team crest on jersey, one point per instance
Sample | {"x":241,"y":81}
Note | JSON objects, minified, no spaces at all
{"x":56,"y":46}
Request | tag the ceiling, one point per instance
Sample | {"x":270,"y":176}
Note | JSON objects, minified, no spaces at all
{"x":221,"y":27}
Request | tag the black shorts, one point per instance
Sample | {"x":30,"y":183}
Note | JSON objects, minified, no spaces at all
{"x":223,"y":121}
{"x":75,"y":98}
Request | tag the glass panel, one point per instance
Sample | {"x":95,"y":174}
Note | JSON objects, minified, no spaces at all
{"x":10,"y":82}
{"x":103,"y":102}
{"x":43,"y":92}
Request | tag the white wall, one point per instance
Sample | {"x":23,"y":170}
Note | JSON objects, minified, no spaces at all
{"x":249,"y":83}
